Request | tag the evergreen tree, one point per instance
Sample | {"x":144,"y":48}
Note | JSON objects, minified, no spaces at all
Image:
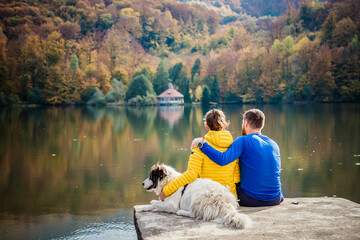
{"x":174,"y":72}
{"x":207,"y":80}
{"x":74,"y":63}
{"x":117,"y":93}
{"x":196,"y":68}
{"x":182,"y":81}
{"x":215,"y":96}
{"x":205,"y":99}
{"x":328,"y":28}
{"x":35,"y":96}
{"x":139,"y":86}
{"x":187,"y":97}
{"x":144,"y":71}
{"x":161,"y":80}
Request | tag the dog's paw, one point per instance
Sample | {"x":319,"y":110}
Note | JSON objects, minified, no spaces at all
{"x":217,"y":220}
{"x":183,"y":213}
{"x":148,"y":208}
{"x":154,"y":201}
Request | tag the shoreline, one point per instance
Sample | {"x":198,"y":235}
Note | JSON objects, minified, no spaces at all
{"x":158,"y":105}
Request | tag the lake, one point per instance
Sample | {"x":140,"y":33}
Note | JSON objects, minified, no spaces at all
{"x":76,"y":172}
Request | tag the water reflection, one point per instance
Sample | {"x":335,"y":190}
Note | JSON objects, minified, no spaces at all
{"x":101,"y":225}
{"x":171,"y":114}
{"x":84,"y":161}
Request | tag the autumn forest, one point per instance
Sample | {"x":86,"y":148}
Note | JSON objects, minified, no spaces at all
{"x":127,"y":51}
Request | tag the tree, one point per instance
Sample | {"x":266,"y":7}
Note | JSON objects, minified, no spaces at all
{"x":241,"y":40}
{"x":305,"y":51}
{"x":328,"y":28}
{"x":54,"y":48}
{"x":287,"y":46}
{"x":33,"y":71}
{"x":144,"y":71}
{"x":131,"y":21}
{"x":187,"y":97}
{"x":344,"y":32}
{"x":103,"y":77}
{"x":105,"y":20}
{"x":205,"y":99}
{"x":161,"y":80}
{"x":215,"y":91}
{"x":117,"y":93}
{"x":196,"y":68}
{"x":120,"y":74}
{"x":193,"y":85}
{"x":74,"y":63}
{"x":139,"y":86}
{"x":198,"y":93}
{"x":347,"y":72}
{"x":69,"y":30}
{"x":4,"y":77}
{"x":321,"y":77}
{"x":97,"y":98}
{"x":35,"y":96}
{"x":174,"y":72}
{"x":355,"y":43}
{"x":303,"y":90}
{"x":183,"y":82}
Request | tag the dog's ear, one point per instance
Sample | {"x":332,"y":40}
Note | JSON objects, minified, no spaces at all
{"x":163,"y":171}
{"x":155,"y":166}
{"x":159,"y":171}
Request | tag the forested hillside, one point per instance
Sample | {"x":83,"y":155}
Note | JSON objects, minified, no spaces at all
{"x":255,"y":8}
{"x":98,"y":51}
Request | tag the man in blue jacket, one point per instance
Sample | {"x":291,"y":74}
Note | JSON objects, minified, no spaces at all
{"x":260,"y":162}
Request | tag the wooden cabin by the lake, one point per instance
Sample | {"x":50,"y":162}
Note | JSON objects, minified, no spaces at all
{"x":170,"y":97}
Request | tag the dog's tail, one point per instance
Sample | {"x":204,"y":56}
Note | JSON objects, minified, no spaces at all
{"x":221,"y":209}
{"x":233,"y":218}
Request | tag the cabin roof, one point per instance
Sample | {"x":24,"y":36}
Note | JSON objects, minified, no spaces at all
{"x":170,"y":93}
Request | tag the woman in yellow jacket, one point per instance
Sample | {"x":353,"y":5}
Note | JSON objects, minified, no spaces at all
{"x":200,"y":166}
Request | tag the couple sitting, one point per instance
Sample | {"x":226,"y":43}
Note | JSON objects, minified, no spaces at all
{"x":257,"y":182}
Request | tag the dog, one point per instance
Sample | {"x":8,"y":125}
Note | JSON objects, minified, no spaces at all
{"x":202,"y":199}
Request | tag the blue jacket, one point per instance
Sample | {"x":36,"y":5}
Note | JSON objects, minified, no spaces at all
{"x":260,"y":164}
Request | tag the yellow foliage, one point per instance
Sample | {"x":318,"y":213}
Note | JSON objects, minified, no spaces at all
{"x":121,"y":74}
{"x":3,"y":41}
{"x":198,"y":92}
{"x":103,"y":77}
{"x":300,"y":44}
{"x":129,"y":12}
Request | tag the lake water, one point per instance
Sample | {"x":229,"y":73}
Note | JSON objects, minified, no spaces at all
{"x":76,"y":173}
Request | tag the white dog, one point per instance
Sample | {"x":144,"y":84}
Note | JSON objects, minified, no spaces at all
{"x":202,"y":199}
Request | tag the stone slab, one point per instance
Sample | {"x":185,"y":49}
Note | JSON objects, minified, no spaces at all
{"x":295,"y":218}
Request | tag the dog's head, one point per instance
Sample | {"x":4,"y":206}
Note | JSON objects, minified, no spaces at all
{"x":157,"y":179}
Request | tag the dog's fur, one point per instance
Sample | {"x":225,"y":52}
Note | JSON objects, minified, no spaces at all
{"x":202,"y":199}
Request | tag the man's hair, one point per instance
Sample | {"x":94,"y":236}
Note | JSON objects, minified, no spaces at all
{"x":215,"y":119}
{"x":255,"y":117}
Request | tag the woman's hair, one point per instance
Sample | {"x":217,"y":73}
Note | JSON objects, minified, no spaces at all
{"x":215,"y":119}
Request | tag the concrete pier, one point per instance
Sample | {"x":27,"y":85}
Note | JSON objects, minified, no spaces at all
{"x":295,"y":218}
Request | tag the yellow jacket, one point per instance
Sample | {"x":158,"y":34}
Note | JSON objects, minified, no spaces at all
{"x":201,"y":166}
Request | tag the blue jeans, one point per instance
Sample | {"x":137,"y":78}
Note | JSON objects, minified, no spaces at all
{"x":245,"y":200}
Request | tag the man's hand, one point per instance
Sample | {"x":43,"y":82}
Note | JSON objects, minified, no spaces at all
{"x":162,"y":196}
{"x":195,"y":142}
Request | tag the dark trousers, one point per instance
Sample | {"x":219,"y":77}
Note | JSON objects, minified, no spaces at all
{"x":245,"y":200}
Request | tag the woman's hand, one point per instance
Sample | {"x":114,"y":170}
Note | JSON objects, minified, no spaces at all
{"x":195,"y":142}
